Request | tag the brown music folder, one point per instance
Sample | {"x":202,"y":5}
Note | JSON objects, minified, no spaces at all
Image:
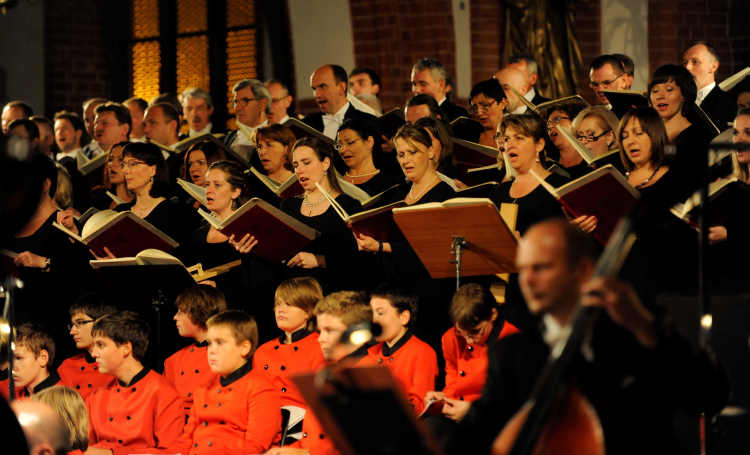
{"x":279,"y":235}
{"x":490,"y":243}
{"x":181,"y":147}
{"x":301,"y":130}
{"x":391,"y":121}
{"x":364,"y":412}
{"x":286,"y":189}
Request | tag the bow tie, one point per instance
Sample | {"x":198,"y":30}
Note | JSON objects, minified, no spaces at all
{"x":329,"y":119}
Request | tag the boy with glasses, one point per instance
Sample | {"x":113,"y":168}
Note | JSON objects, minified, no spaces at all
{"x":81,"y":372}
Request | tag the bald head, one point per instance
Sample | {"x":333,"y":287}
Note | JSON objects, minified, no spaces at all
{"x":45,"y":431}
{"x":329,"y":85}
{"x":511,"y":77}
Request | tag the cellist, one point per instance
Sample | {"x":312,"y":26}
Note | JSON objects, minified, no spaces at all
{"x":633,"y":373}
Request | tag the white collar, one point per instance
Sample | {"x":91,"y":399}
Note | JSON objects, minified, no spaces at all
{"x":520,"y":109}
{"x":341,"y":112}
{"x":138,"y":139}
{"x":440,"y":103}
{"x":530,"y":94}
{"x":207,"y":129}
{"x":284,"y":119}
{"x":241,"y":139}
{"x":703,"y":93}
{"x":71,"y":154}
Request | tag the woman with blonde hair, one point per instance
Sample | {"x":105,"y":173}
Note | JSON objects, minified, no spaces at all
{"x":70,"y":407}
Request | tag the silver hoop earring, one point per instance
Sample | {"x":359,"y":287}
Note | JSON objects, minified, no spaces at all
{"x":325,"y":173}
{"x":151,"y":179}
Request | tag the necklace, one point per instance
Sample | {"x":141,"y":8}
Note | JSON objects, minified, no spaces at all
{"x":420,"y":193}
{"x":643,"y":183}
{"x":143,"y":210}
{"x":304,"y":199}
{"x":362,"y":175}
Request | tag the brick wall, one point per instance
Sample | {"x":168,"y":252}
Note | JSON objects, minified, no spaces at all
{"x":675,"y":24}
{"x":391,"y":35}
{"x":487,"y":34}
{"x":589,"y":30}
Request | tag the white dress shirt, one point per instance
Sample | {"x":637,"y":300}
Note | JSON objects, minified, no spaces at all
{"x":138,"y":139}
{"x":530,"y":94}
{"x":73,"y":154}
{"x":331,"y":123}
{"x":207,"y":129}
{"x":703,"y":93}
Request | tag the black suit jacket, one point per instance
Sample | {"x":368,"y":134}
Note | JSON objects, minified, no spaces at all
{"x":453,"y":112}
{"x":538,"y":99}
{"x":719,"y":107}
{"x":315,"y":121}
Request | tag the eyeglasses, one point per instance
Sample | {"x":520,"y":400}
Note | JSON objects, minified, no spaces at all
{"x":475,"y":108}
{"x":556,"y":120}
{"x":604,"y":84}
{"x":591,"y":137}
{"x":497,"y":138}
{"x":130,"y":164}
{"x":242,"y":102}
{"x":339,"y":146}
{"x":473,"y":334}
{"x":78,"y":324}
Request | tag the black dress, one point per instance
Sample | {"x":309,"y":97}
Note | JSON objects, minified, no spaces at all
{"x":691,"y":157}
{"x":211,"y":255}
{"x":176,"y":221}
{"x":379,"y":183}
{"x":46,"y":296}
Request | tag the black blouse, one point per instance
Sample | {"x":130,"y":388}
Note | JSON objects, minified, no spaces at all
{"x":379,"y":183}
{"x":211,"y":255}
{"x":692,"y":152}
{"x":536,"y":206}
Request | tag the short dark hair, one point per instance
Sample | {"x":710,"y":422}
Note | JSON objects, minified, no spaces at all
{"x":531,"y":64}
{"x":45,"y":168}
{"x":602,"y":60}
{"x":235,"y":177}
{"x":36,"y":339}
{"x":426,"y":100}
{"x":169,"y":98}
{"x":140,"y":102}
{"x":200,"y":302}
{"x":627,"y":64}
{"x":277,"y":81}
{"x":152,"y":156}
{"x":242,"y":325}
{"x":25,"y":107}
{"x":710,"y":49}
{"x":399,"y":299}
{"x":322,"y":151}
{"x":579,"y":246}
{"x":490,"y":88}
{"x":471,"y":304}
{"x":31,"y":128}
{"x":339,"y":75}
{"x":571,"y":107}
{"x":38,"y":119}
{"x":97,"y":100}
{"x":122,"y":113}
{"x":681,"y":78}
{"x":360,"y":126}
{"x":169,"y":113}
{"x":93,"y":305}
{"x":653,"y":125}
{"x":211,"y":150}
{"x":374,"y":77}
{"x":124,"y":327}
{"x":441,"y":130}
{"x":528,"y":125}
{"x":72,"y":117}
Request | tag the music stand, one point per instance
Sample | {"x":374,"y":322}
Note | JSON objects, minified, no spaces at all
{"x":481,"y":241}
{"x":148,"y":286}
{"x":364,"y":412}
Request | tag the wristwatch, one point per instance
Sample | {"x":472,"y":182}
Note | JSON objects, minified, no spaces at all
{"x":47,"y":263}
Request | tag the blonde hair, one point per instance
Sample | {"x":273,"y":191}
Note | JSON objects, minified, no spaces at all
{"x":64,"y":192}
{"x":605,"y":118}
{"x":303,"y":293}
{"x":349,"y":306}
{"x":69,"y":405}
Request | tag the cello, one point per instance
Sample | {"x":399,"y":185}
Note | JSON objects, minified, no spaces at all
{"x":558,"y":419}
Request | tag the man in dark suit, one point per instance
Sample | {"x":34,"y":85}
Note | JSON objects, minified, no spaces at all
{"x":329,"y":85}
{"x":92,"y":149}
{"x":428,"y":76}
{"x":252,"y":102}
{"x":702,"y":61}
{"x":634,"y":375}
{"x":197,"y":108}
{"x":161,"y":124}
{"x":526,"y":63}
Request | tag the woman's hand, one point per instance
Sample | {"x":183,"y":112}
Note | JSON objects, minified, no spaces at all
{"x":304,"y":260}
{"x":67,"y":220}
{"x":287,"y":451}
{"x":717,"y":234}
{"x":461,"y":185}
{"x":369,"y":244}
{"x":387,"y":146}
{"x":30,"y":260}
{"x":107,"y":254}
{"x":433,"y":396}
{"x":455,"y":409}
{"x":244,"y":246}
{"x":587,"y":223}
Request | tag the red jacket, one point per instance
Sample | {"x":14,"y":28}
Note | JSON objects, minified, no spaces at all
{"x":81,"y":373}
{"x":22,"y":393}
{"x":466,"y":364}
{"x":188,"y":369}
{"x":145,"y":414}
{"x":413,"y":363}
{"x":279,"y":362}
{"x":239,"y":414}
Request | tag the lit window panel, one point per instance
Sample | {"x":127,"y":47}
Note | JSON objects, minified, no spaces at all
{"x":192,"y":63}
{"x":146,"y":67}
{"x":145,"y":19}
{"x":240,"y":13}
{"x":241,"y":60}
{"x":192,"y":16}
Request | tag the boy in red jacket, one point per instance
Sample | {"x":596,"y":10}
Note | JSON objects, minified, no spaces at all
{"x":34,"y":353}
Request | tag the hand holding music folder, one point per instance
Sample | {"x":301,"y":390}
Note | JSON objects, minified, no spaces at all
{"x":491,"y":244}
{"x":364,"y":412}
{"x":124,"y":234}
{"x":279,"y":235}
